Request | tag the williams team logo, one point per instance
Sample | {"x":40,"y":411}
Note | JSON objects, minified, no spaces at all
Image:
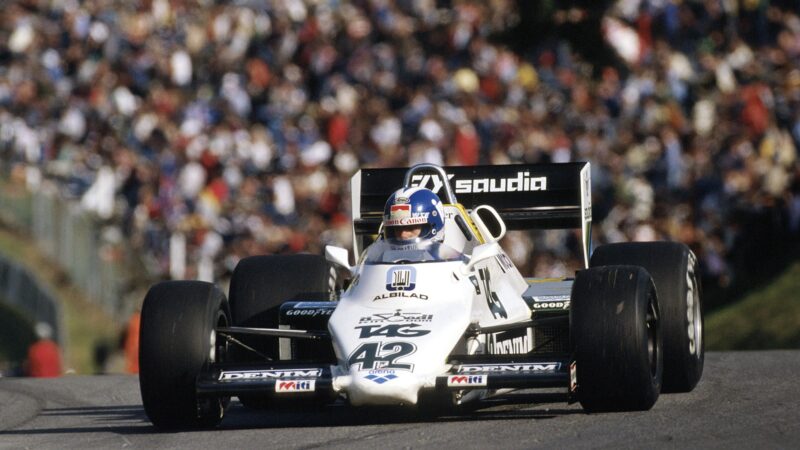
{"x":401,"y":278}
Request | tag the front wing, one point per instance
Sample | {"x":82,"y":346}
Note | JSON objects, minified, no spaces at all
{"x":288,"y":378}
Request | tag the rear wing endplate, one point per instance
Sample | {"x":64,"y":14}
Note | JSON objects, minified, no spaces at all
{"x":527,"y":196}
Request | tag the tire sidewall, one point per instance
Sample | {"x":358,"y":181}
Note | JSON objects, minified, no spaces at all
{"x":178,"y":322}
{"x":673,"y":268}
{"x":609,"y":335}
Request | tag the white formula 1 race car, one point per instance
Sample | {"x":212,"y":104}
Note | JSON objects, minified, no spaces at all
{"x":439,"y":322}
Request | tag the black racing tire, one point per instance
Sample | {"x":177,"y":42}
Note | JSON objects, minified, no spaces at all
{"x":259,"y":286}
{"x":177,"y":341}
{"x":616,"y":339}
{"x":674,"y":270}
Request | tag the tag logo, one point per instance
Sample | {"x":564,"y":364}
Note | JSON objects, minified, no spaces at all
{"x":391,"y":330}
{"x":401,"y":278}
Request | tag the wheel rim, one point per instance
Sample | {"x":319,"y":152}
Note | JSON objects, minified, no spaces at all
{"x":212,"y":409}
{"x":652,"y":335}
{"x":693,"y":314}
{"x":218,"y":349}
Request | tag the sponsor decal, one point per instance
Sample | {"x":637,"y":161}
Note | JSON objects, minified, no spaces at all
{"x":425,"y":180}
{"x":401,"y":214}
{"x":505,"y":262}
{"x":391,"y":330}
{"x":401,"y":211}
{"x":552,"y":298}
{"x":390,"y":295}
{"x":511,"y":342}
{"x":551,"y":305}
{"x":538,"y":367}
{"x":522,"y":182}
{"x":311,"y":309}
{"x":295,"y":386}
{"x":397,"y":316}
{"x":466,"y":380}
{"x":401,"y":278}
{"x":587,"y":193}
{"x":380,"y":355}
{"x":310,"y":312}
{"x":492,"y":300}
{"x":694,"y":338}
{"x":381,"y":376}
{"x":474,"y":280}
{"x":268,"y":374}
{"x":416,"y":220}
{"x":312,"y":305}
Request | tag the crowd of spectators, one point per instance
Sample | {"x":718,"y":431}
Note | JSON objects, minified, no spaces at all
{"x":234,"y":127}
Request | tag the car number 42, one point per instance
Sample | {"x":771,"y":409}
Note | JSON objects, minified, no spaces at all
{"x":380,"y":355}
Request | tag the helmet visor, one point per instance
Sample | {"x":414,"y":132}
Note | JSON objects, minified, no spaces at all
{"x":407,"y":234}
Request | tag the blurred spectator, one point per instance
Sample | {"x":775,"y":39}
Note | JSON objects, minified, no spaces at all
{"x":132,"y":343}
{"x":209,"y":132}
{"x":44,"y":355}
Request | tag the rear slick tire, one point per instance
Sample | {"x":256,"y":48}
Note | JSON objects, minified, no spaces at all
{"x":259,"y":286}
{"x":177,"y":341}
{"x":674,"y":270}
{"x":616,"y":339}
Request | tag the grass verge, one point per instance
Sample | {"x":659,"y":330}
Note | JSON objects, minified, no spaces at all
{"x":766,"y":319}
{"x":86,"y":325}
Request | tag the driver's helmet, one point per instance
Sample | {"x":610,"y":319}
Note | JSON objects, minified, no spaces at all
{"x":412,"y":209}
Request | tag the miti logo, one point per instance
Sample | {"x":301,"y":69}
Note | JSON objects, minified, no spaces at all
{"x":295,"y":386}
{"x":466,"y":380}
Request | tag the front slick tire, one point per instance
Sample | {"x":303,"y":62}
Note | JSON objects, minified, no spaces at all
{"x":177,"y":341}
{"x":616,"y":338}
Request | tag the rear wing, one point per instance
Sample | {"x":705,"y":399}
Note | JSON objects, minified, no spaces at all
{"x":527,"y":196}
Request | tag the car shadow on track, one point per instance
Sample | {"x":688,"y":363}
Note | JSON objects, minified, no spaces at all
{"x":132,"y":420}
{"x":515,"y":406}
{"x":119,"y":419}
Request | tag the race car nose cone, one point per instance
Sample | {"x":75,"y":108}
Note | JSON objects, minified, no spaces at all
{"x":383,"y":387}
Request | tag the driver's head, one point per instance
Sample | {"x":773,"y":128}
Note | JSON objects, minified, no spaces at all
{"x":412,"y":215}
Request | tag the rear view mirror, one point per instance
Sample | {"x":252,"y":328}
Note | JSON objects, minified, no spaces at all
{"x":339,"y":257}
{"x":488,"y":222}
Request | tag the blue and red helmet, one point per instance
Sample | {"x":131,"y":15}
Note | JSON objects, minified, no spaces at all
{"x":413,"y":207}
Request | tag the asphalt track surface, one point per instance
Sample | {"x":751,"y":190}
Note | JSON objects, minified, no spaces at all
{"x":745,"y":400}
